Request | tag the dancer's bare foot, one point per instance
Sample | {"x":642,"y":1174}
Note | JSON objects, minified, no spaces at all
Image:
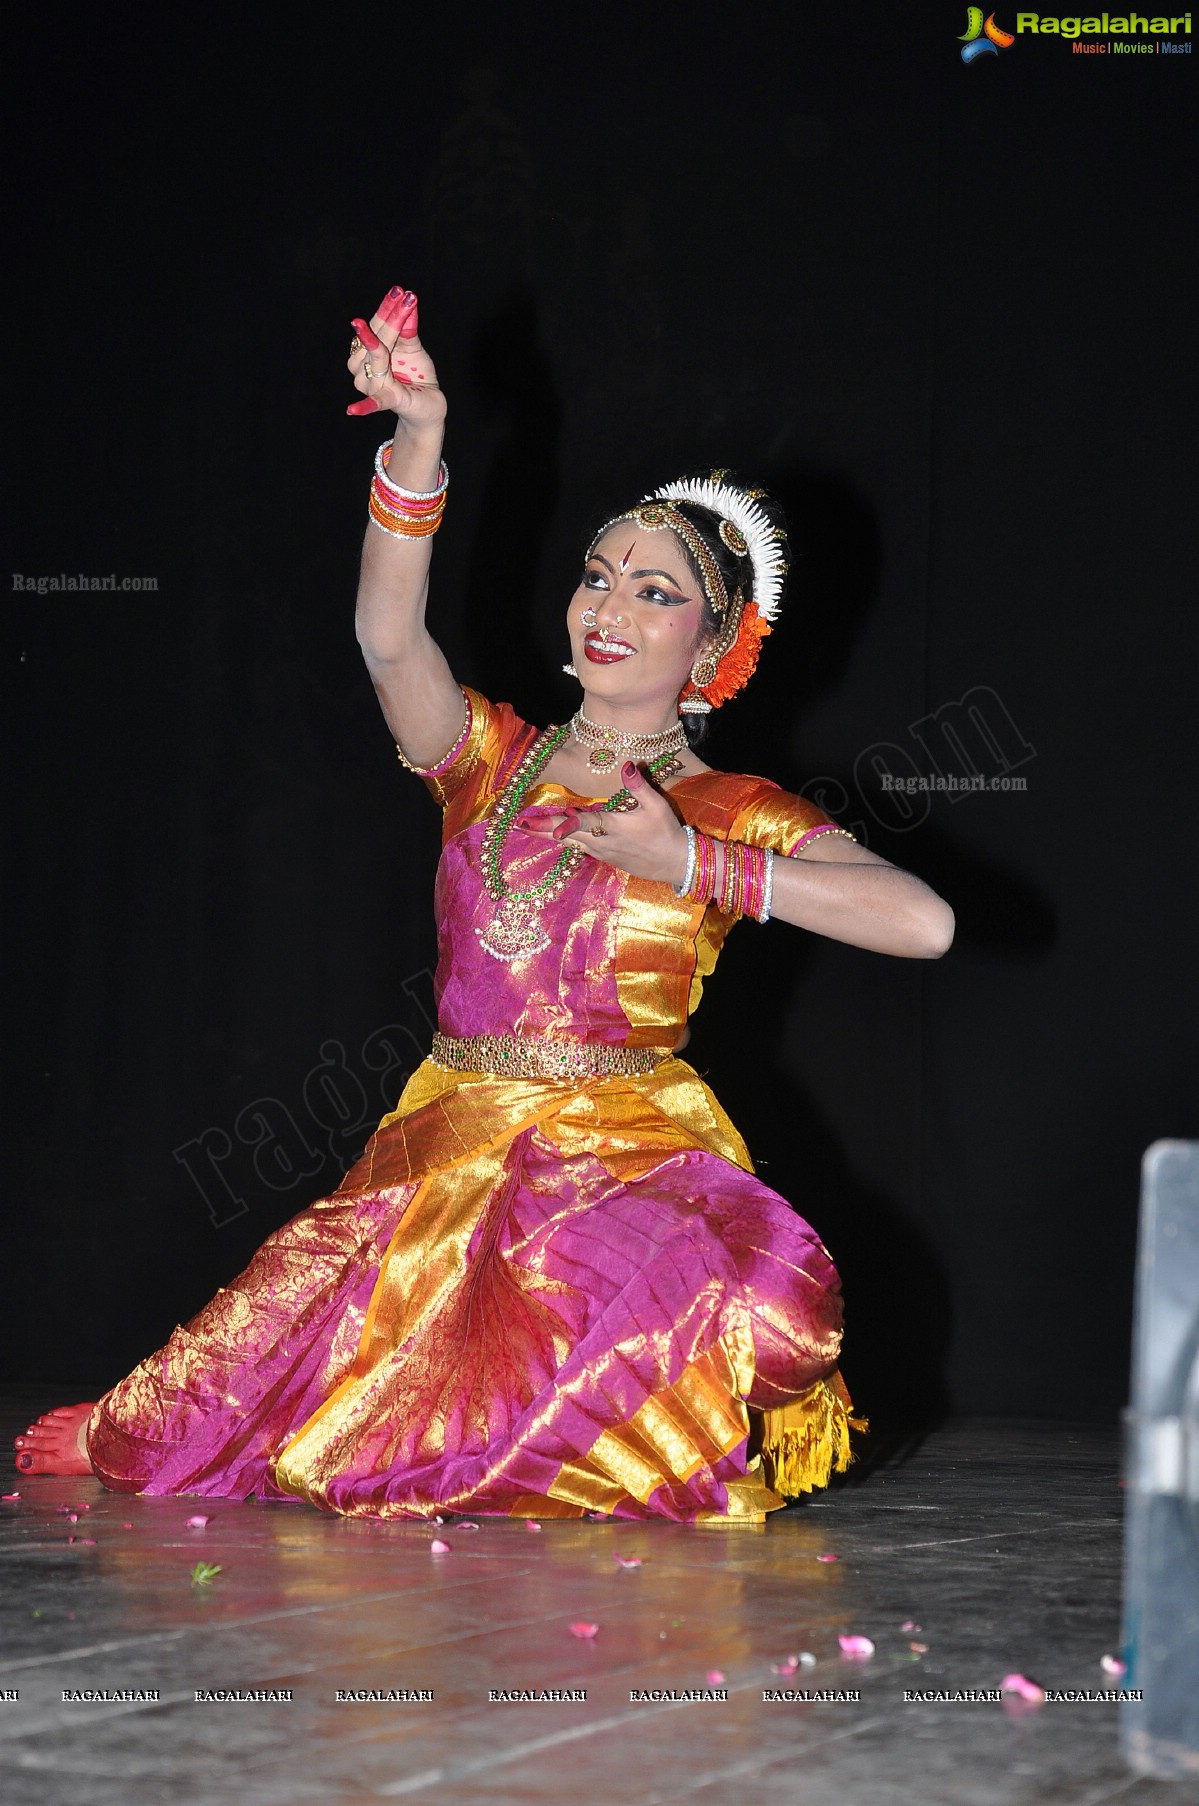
{"x":56,"y":1443}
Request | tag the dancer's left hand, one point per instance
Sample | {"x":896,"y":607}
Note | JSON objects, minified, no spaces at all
{"x":648,"y":841}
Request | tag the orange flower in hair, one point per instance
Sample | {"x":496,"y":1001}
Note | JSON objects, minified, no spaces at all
{"x":738,"y":664}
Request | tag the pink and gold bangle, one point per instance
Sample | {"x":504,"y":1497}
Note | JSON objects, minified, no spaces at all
{"x":746,"y":883}
{"x":705,"y":869}
{"x":403,"y":526}
{"x":755,"y":882}
{"x":748,"y":873}
{"x":730,"y":882}
{"x":699,"y":878}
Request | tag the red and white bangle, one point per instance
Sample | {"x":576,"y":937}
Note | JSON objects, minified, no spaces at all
{"x":383,"y":459}
{"x":405,"y":513}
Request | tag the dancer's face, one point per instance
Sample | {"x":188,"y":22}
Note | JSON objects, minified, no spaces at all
{"x":647,"y":599}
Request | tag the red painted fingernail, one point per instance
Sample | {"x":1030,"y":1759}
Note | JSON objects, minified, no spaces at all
{"x":393,"y":292}
{"x":628,"y":770}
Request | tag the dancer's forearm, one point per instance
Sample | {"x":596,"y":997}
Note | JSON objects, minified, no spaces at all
{"x":414,"y":684}
{"x":855,"y":896}
{"x":393,"y":583}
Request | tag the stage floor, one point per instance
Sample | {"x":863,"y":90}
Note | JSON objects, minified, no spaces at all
{"x":1000,"y":1540}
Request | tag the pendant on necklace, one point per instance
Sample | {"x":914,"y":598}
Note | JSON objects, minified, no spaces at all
{"x":601,"y":758}
{"x":514,"y":932}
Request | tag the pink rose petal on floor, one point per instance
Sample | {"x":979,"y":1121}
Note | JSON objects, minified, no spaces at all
{"x":911,"y":1624}
{"x":628,"y":1561}
{"x":72,"y":1517}
{"x":438,"y":1547}
{"x":918,"y":1648}
{"x":806,"y":1659}
{"x":438,"y":1519}
{"x":88,"y":1539}
{"x":532,"y":1524}
{"x":1024,"y":1688}
{"x":126,"y":1526}
{"x":857,"y":1648}
{"x":828,"y":1558}
{"x":584,"y":1630}
{"x":787,"y":1667}
{"x":466,"y":1525}
{"x":1111,"y":1664}
{"x":72,"y":1539}
{"x":196,"y":1523}
{"x":6,"y":1496}
{"x":714,"y":1677}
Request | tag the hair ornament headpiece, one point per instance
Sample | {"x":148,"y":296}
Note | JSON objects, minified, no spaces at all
{"x":740,"y":518}
{"x":730,"y":659}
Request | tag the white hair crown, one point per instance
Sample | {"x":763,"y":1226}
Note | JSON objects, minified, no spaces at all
{"x":740,"y":516}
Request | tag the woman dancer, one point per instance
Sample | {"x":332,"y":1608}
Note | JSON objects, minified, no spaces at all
{"x":552,"y":1284}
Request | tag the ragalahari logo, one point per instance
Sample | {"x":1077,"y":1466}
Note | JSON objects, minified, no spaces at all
{"x":982,"y":37}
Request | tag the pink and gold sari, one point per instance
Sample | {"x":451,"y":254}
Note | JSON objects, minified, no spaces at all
{"x":531,"y":1296}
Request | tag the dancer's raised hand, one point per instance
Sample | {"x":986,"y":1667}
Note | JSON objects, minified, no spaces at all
{"x":391,"y":368}
{"x":642,"y":835}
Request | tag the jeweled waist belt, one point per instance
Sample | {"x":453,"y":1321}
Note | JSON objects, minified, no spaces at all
{"x":540,"y":1057}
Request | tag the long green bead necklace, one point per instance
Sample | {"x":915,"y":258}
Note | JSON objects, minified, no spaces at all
{"x":516,"y":928}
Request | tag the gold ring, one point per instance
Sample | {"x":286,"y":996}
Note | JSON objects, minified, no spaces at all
{"x":355,"y":344}
{"x":366,"y":368}
{"x":598,"y":830}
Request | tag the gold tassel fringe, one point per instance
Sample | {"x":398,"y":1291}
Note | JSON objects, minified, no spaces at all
{"x":803,"y":1443}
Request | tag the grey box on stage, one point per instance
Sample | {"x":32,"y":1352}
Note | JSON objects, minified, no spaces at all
{"x":1160,"y":1735}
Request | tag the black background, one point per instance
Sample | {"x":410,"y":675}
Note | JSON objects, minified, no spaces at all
{"x":944,"y":309}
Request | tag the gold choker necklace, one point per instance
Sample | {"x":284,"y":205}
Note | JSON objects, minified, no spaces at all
{"x":607,"y":744}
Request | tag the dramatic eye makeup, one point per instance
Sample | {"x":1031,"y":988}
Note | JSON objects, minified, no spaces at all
{"x":671,"y":598}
